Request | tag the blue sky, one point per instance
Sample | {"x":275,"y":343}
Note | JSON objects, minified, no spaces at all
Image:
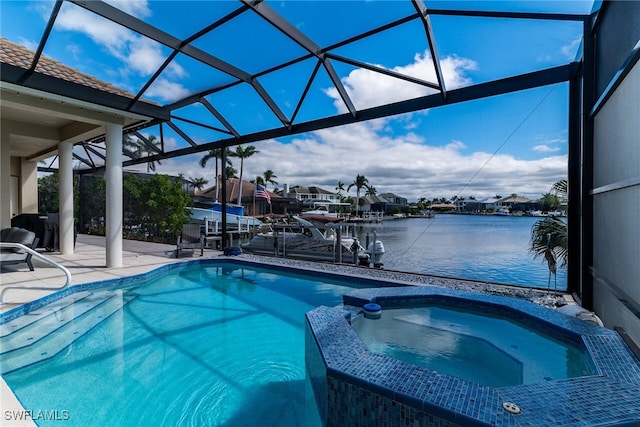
{"x":515,"y":143}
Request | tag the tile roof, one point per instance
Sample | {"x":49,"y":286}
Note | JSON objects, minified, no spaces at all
{"x":248,"y":191}
{"x":19,"y":56}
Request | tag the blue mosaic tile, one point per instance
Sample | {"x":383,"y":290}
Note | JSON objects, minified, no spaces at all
{"x":610,"y":398}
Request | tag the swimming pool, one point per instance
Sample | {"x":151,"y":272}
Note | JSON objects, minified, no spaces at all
{"x":475,"y":344}
{"x":124,"y":364}
{"x":205,"y":344}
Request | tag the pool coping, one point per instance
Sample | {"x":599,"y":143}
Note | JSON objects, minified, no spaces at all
{"x":363,"y":275}
{"x":608,"y":398}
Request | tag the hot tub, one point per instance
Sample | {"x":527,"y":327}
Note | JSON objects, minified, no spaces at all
{"x":475,"y":342}
{"x":355,"y":385}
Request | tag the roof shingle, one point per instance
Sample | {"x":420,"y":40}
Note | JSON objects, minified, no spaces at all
{"x":19,"y":56}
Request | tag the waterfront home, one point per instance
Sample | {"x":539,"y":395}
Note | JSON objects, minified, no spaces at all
{"x":308,"y":194}
{"x":387,"y":203}
{"x":490,"y":204}
{"x":253,"y":206}
{"x":514,"y":203}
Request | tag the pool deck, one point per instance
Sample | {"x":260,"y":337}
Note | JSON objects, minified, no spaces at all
{"x":88,"y":264}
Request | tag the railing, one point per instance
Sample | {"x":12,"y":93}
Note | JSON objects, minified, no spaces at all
{"x":214,"y":226}
{"x":39,"y":256}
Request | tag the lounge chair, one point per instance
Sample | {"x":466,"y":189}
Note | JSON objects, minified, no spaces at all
{"x":191,"y":238}
{"x":15,"y":255}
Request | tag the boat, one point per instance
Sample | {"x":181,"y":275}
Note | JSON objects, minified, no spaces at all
{"x":327,"y":212}
{"x":503,"y":211}
{"x":550,"y":213}
{"x":213,"y":215}
{"x":305,"y":239}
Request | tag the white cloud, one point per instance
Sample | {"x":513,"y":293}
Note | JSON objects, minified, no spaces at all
{"x":29,"y":44}
{"x":569,"y":51}
{"x":138,"y":54}
{"x":137,"y":8}
{"x":544,"y":148}
{"x":368,"y":88}
{"x":404,"y":164}
{"x":166,"y":90}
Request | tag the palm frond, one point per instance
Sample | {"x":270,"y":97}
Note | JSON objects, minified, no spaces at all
{"x":549,"y":233}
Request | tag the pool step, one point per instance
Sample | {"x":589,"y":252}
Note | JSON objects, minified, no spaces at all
{"x":52,"y":309}
{"x":44,"y":339}
{"x":50,"y":320}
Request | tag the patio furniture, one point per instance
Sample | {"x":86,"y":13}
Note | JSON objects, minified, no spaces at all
{"x":191,"y":238}
{"x":15,"y":255}
{"x":46,"y":227}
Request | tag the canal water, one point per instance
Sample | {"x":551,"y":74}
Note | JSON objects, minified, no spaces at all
{"x":476,"y":247}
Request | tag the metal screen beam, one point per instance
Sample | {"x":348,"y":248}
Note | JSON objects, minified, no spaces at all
{"x":45,"y":35}
{"x":545,"y":77}
{"x":268,"y":14}
{"x":220,"y":117}
{"x":426,"y":22}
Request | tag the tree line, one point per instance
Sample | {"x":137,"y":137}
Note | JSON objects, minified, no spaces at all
{"x":154,"y":207}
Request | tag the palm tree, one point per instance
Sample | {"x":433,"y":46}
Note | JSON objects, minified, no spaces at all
{"x":198,"y":183}
{"x":151,"y":166}
{"x":215,"y":154}
{"x":360,"y":182}
{"x":340,"y":188}
{"x":561,"y":189}
{"x":136,"y":149}
{"x":422,"y":202}
{"x":549,"y":202}
{"x":243,"y":153}
{"x":549,"y":235}
{"x":371,"y":191}
{"x":269,"y":177}
{"x":231,"y":172}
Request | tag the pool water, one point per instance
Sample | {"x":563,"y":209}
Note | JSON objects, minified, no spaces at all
{"x":474,"y":345}
{"x":204,"y":345}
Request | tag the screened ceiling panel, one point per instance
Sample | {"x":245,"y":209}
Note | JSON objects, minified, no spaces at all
{"x":204,"y":115}
{"x":260,"y":47}
{"x":242,"y":101}
{"x":502,"y":48}
{"x":316,"y":104}
{"x":536,"y":6}
{"x":199,"y":14}
{"x":216,"y":73}
{"x":408,"y":40}
{"x":288,"y":96}
{"x":341,"y":20}
{"x":183,"y":77}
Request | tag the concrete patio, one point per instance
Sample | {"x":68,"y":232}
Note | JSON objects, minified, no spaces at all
{"x":87,"y":264}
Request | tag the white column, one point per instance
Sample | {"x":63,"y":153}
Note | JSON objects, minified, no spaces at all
{"x":5,"y":178}
{"x":65,"y":191}
{"x":113,"y":208}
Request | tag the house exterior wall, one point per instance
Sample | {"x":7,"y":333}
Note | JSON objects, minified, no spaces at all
{"x":5,"y":178}
{"x":26,"y":173}
{"x":616,"y":174}
{"x":28,"y":186}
